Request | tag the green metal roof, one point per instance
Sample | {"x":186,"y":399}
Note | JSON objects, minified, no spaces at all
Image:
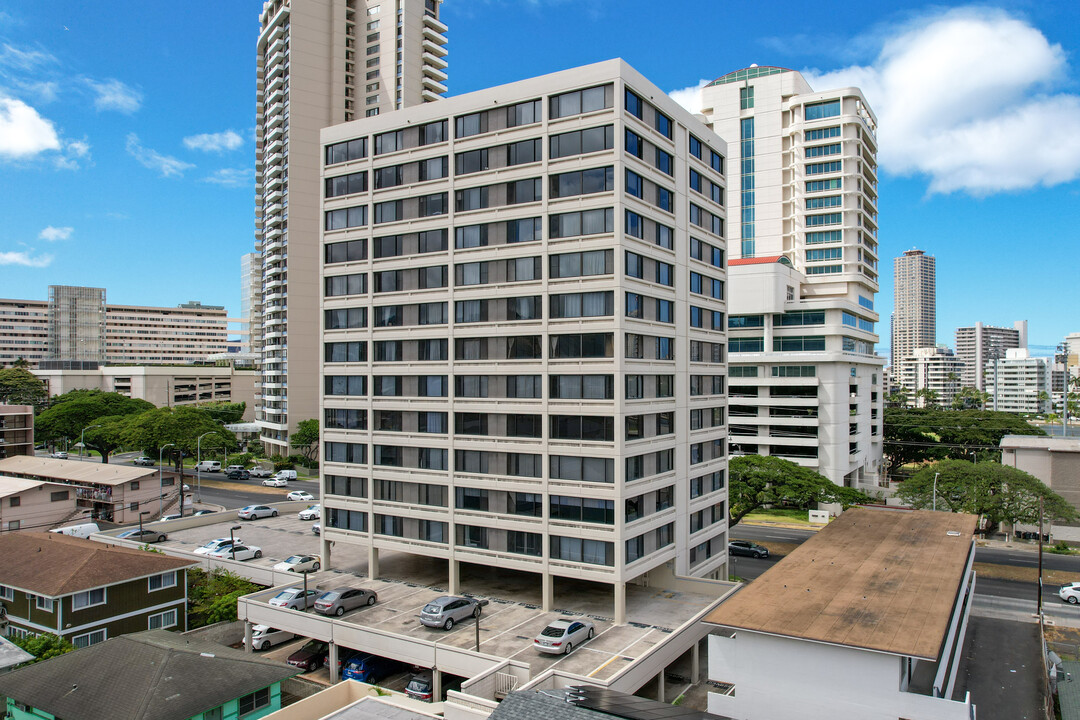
{"x":748,"y":74}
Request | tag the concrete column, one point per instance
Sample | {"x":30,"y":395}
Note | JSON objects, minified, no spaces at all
{"x":620,"y":603}
{"x":548,"y":591}
{"x":660,"y":690}
{"x":695,"y":662}
{"x":373,"y":563}
{"x":324,"y":552}
{"x":247,"y":636}
{"x":455,"y":577}
{"x":332,"y":665}
{"x":436,"y":685}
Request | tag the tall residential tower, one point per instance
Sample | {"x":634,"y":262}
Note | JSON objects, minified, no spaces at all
{"x":914,"y":318}
{"x":981,"y":344}
{"x":320,"y":62}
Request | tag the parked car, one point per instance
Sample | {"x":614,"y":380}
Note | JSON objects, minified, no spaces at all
{"x":258,"y":472}
{"x":1069,"y":592}
{"x":234,"y":467}
{"x":560,"y":636}
{"x":254,"y":512}
{"x":421,"y":687}
{"x":264,"y":637}
{"x":302,"y":495}
{"x":368,"y":668}
{"x":312,"y":513}
{"x":174,"y":516}
{"x":294,"y":599}
{"x":215,"y":545}
{"x":449,"y":609}
{"x":203,"y":512}
{"x":59,"y":455}
{"x":344,"y":655}
{"x":299,"y":563}
{"x":211,"y":466}
{"x":143,"y":460}
{"x":82,"y":530}
{"x":747,"y":548}
{"x":310,"y":656}
{"x":316,"y":529}
{"x":240,"y":474}
{"x":236,"y":552}
{"x":144,"y":535}
{"x":342,"y":599}
{"x":275,"y":482}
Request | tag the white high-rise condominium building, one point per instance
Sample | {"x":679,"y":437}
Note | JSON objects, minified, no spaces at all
{"x":524,"y":330}
{"x":251,"y":280}
{"x":805,"y":382}
{"x":981,"y":344}
{"x":914,"y":318}
{"x":933,"y":370}
{"x":1018,"y":382}
{"x":320,"y":62}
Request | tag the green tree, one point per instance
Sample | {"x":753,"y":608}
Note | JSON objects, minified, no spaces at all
{"x":930,"y":398}
{"x":897,"y":398}
{"x":182,"y":426}
{"x":970,"y":398}
{"x":73,"y":412}
{"x":19,"y":386}
{"x":212,"y":596}
{"x":21,"y":363}
{"x":757,"y":481}
{"x":998,"y":493}
{"x":226,"y":412}
{"x":42,"y":647}
{"x":306,"y":439}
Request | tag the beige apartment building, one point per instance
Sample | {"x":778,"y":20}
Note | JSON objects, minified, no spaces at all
{"x":980,"y":344}
{"x":319,"y":63}
{"x":76,"y":328}
{"x":1018,"y":383}
{"x":523,"y":334}
{"x":806,"y":384}
{"x":35,"y":504}
{"x":934,"y":369}
{"x":914,"y":318}
{"x":16,"y":430}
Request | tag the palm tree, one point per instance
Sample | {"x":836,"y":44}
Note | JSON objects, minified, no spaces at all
{"x":929,"y":397}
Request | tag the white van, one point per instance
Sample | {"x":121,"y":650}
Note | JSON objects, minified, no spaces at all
{"x":208,"y":466}
{"x":285,"y":475}
{"x":83,"y":530}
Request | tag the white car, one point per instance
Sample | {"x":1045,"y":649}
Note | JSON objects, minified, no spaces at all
{"x":59,"y":455}
{"x":312,"y":513}
{"x":144,"y":461}
{"x":560,"y":636}
{"x":294,"y":598}
{"x":234,"y":467}
{"x":215,"y":545}
{"x":237,"y":552}
{"x":264,"y":637}
{"x":254,"y":512}
{"x":302,"y":495}
{"x":1070,"y":592}
{"x":299,"y":563}
{"x":174,"y":516}
{"x":275,"y":482}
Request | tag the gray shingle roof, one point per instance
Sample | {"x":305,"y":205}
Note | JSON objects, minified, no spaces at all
{"x":152,"y":675}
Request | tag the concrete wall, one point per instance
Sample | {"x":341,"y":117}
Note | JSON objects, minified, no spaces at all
{"x":223,"y":633}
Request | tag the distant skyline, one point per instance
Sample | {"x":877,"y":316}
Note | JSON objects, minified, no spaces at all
{"x":127,"y":148}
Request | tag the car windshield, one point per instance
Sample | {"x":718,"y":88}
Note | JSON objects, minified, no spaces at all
{"x":312,"y":646}
{"x":418,"y":686}
{"x":330,"y":596}
{"x":293,"y":559}
{"x":552,"y":631}
{"x":286,"y":595}
{"x":433,"y":608}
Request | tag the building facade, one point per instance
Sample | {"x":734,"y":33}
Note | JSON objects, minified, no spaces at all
{"x":34,"y":504}
{"x":803,"y":179}
{"x":914,"y":318}
{"x":319,"y":63}
{"x":981,"y":344}
{"x":152,"y":335}
{"x":24,"y":331}
{"x":933,"y":371}
{"x":16,"y":430}
{"x":1018,"y":383}
{"x":251,"y":304}
{"x":1054,"y":460}
{"x":76,"y":323}
{"x":524,"y":332}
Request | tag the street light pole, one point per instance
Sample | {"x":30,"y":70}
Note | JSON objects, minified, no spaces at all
{"x":161,"y":483}
{"x":935,"y":490}
{"x":232,"y":540}
{"x":82,"y":437}
{"x":144,"y":512}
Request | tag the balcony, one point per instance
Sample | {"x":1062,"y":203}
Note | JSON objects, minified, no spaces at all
{"x":275,"y":147}
{"x":434,"y":72}
{"x":429,"y":96}
{"x":435,"y":60}
{"x":435,"y":23}
{"x":434,"y":35}
{"x":433,"y":48}
{"x":276,"y":60}
{"x":434,"y":85}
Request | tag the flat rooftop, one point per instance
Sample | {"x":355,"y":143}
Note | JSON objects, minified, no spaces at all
{"x":87,"y":473}
{"x":877,"y":579}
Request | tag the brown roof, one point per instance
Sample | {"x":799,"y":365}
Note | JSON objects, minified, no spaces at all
{"x":53,"y":565}
{"x":873,"y":578}
{"x":75,"y":471}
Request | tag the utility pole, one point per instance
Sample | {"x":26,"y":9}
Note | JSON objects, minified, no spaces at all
{"x":1040,"y":602}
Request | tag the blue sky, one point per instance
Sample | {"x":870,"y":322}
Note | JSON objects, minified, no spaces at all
{"x":126,"y":131}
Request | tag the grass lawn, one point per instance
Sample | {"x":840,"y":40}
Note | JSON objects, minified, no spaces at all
{"x":784,"y":515}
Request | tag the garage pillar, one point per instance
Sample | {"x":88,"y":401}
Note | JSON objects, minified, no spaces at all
{"x":455,"y":577}
{"x":332,"y":664}
{"x":620,"y":603}
{"x":436,"y":685}
{"x":247,"y":636}
{"x":695,"y":662}
{"x":548,"y":599}
{"x":373,"y":562}
{"x":324,"y":552}
{"x":660,"y":689}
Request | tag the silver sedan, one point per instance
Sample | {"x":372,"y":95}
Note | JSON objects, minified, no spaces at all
{"x":562,"y":635}
{"x":342,"y":599}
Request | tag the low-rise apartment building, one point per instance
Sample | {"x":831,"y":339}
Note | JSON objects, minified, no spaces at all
{"x":115,"y":493}
{"x":933,"y":371}
{"x":16,"y":430}
{"x":1018,"y":382}
{"x":35,"y":504}
{"x":86,"y":591}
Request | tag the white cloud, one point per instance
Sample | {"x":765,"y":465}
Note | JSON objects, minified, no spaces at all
{"x":24,"y":133}
{"x":24,"y":59}
{"x":690,"y":97}
{"x":232,"y":177}
{"x":25,"y":259}
{"x":214,"y":142}
{"x":115,"y":95}
{"x":966,"y":97}
{"x":52,"y":234}
{"x":76,"y":154}
{"x":166,"y":165}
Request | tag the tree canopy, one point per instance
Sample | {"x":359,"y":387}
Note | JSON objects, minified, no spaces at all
{"x":306,"y":439}
{"x":103,"y":415}
{"x":19,"y":386}
{"x":42,"y":647}
{"x":999,"y":493}
{"x":756,"y":481}
{"x":182,"y":426}
{"x":226,"y":412}
{"x":212,"y":595}
{"x":915,"y":435}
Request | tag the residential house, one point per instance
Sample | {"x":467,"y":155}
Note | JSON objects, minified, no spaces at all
{"x":35,"y":504}
{"x":86,"y":591}
{"x":152,"y":674}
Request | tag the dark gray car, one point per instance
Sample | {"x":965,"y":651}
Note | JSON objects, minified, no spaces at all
{"x":342,"y":599}
{"x":446,"y":610}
